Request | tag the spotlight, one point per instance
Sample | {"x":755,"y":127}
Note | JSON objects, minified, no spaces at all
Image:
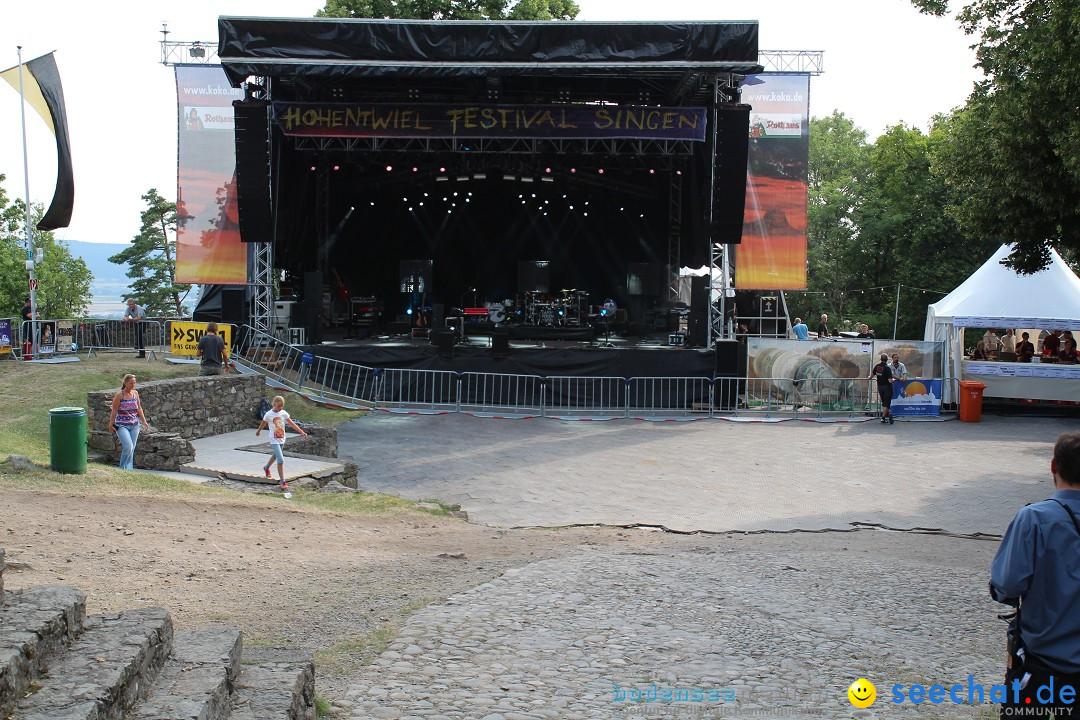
{"x":409,"y":311}
{"x":564,"y":197}
{"x":312,"y":168}
{"x":462,"y":178}
{"x":571,"y":207}
{"x":678,"y":172}
{"x":601,"y":171}
{"x":585,"y":214}
{"x":404,"y":199}
{"x":441,"y":178}
{"x":526,"y":179}
{"x":547,"y":179}
{"x":410,"y":208}
{"x":479,"y":176}
{"x":442,"y":169}
{"x":415,"y":169}
{"x":389,"y":168}
{"x":622,"y":209}
{"x":455,"y":194}
{"x":534,"y":195}
{"x":547,"y":170}
{"x":421,"y":203}
{"x":573,"y":170}
{"x":197,"y":51}
{"x":337,"y":167}
{"x":652,"y":172}
{"x":372,"y":203}
{"x":509,"y":177}
{"x":425,"y":194}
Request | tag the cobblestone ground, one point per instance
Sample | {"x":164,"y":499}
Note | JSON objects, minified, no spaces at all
{"x":760,"y":625}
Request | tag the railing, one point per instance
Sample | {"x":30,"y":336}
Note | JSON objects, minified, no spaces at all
{"x":395,"y":389}
{"x":110,"y":334}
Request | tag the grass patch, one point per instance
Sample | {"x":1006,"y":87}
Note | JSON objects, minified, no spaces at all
{"x":444,"y":508}
{"x":361,"y":649}
{"x":322,"y":708}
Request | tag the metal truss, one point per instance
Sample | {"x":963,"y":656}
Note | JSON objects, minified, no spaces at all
{"x":262,"y":307}
{"x":194,"y":52}
{"x":513,"y":146}
{"x":674,"y":250}
{"x":802,"y":61}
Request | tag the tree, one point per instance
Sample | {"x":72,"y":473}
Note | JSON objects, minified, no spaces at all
{"x":1013,"y":152}
{"x":151,"y":260}
{"x":451,"y":9}
{"x":63,"y":280}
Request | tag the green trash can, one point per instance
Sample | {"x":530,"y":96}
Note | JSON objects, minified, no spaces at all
{"x":67,"y":440}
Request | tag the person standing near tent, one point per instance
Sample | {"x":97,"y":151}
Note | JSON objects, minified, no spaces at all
{"x":883,"y":374}
{"x":991,"y":342}
{"x":823,"y":326}
{"x":1025,"y":350}
{"x":1008,"y":341}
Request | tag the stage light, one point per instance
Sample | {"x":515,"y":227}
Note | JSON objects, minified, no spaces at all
{"x":415,"y":169}
{"x":651,"y":171}
{"x":410,"y":208}
{"x":442,"y":169}
{"x":337,"y":167}
{"x":372,"y":203}
{"x":547,"y":202}
{"x":441,"y":178}
{"x":586,"y":202}
{"x":526,"y":179}
{"x":534,"y":195}
{"x":425,"y":194}
{"x":453,"y":204}
{"x":561,"y":311}
{"x":564,"y":197}
{"x":600,"y":171}
{"x":573,"y":170}
{"x":389,"y":168}
{"x":455,"y":194}
{"x":547,"y":179}
{"x":312,"y":168}
{"x":462,"y":178}
{"x":509,"y":177}
{"x":421,"y":204}
{"x":470,"y":194}
{"x":678,"y":172}
{"x":404,"y":199}
{"x":641,"y":215}
{"x":479,"y":176}
{"x":585,"y":214}
{"x":520,"y":196}
{"x":445,"y":199}
{"x":622,"y":209}
{"x":571,"y":207}
{"x":409,"y":311}
{"x":197,"y":51}
{"x":547,"y":170}
{"x":468,"y":199}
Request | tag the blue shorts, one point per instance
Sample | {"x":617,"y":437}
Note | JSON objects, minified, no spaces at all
{"x":275,"y":448}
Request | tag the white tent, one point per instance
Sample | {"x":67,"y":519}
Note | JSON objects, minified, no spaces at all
{"x":996,"y":296}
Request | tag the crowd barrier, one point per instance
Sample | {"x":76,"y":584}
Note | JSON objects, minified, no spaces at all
{"x":396,"y":389}
{"x":98,"y":334}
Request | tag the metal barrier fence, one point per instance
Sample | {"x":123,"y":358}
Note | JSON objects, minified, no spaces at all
{"x":110,"y":334}
{"x":554,"y":396}
{"x":499,"y":393}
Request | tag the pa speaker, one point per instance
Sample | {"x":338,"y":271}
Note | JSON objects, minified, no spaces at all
{"x":438,"y":316}
{"x":729,"y":191}
{"x":444,"y":341}
{"x":252,"y":133}
{"x":313,"y":290}
{"x":500,"y":344}
{"x":232,"y":307}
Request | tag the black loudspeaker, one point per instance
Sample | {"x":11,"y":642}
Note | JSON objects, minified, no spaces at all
{"x":252,"y":133}
{"x":438,"y":316}
{"x":730,"y":373}
{"x":233,"y":307}
{"x":729,"y":196}
{"x":444,"y":340}
{"x":698,"y":320}
{"x":313,"y":290}
{"x":500,"y":343}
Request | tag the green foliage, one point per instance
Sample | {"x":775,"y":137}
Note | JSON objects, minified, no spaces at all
{"x":877,"y":218}
{"x":151,"y":260}
{"x":63,"y":280}
{"x":451,"y":9}
{"x":1013,"y":152}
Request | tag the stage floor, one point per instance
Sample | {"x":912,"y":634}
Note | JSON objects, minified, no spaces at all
{"x":616,"y":356}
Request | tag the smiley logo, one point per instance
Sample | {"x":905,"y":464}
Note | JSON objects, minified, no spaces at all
{"x":862,"y":693}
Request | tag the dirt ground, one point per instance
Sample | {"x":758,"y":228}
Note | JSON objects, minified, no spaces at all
{"x":298,"y":580}
{"x":294,"y":580}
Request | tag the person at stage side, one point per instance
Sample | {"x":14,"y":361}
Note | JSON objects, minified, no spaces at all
{"x":27,"y":325}
{"x":899,"y":370}
{"x":124,"y":420}
{"x":1008,"y":341}
{"x":1067,"y":353}
{"x":1037,"y":570}
{"x":823,"y":326}
{"x":1051,"y":343}
{"x":980,"y":351}
{"x":865,"y":331}
{"x":883,"y":374}
{"x":801,"y":331}
{"x":1025,"y":349}
{"x":991,"y":342}
{"x":136,"y":315}
{"x":211,"y":351}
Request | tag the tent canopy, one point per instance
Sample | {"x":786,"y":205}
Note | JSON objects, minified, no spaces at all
{"x":995,"y":292}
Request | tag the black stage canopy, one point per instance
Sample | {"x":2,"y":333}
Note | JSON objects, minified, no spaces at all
{"x":334,"y":48}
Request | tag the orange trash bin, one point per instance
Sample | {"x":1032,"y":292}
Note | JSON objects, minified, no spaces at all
{"x":971,"y":394}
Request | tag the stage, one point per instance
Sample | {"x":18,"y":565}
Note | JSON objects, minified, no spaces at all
{"x":617,"y":356}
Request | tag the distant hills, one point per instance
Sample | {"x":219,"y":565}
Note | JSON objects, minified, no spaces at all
{"x":110,"y":283}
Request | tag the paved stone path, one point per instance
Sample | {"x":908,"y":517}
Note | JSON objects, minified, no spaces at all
{"x":711,"y":475}
{"x":773,"y":625}
{"x":765,"y":630}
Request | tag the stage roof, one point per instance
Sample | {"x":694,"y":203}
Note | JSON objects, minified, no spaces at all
{"x":343,"y":49}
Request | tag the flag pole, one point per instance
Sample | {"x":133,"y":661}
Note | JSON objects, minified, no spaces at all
{"x":29,"y":233}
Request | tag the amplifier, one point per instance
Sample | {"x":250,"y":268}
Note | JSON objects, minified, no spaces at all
{"x":677,"y":339}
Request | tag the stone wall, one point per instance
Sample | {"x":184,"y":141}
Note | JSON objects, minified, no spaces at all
{"x":178,"y":410}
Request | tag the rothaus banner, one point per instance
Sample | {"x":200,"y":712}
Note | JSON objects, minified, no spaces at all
{"x":567,"y":122}
{"x":208,"y":246}
{"x":772,"y":255}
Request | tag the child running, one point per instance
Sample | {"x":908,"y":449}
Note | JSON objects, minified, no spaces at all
{"x":276,"y":420}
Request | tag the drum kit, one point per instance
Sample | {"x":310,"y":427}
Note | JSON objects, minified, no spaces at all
{"x":568,"y":308}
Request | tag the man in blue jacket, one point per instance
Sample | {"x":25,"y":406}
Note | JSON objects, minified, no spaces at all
{"x":1038,"y":567}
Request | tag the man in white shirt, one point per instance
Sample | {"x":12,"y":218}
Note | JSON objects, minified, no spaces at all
{"x":992,"y":343}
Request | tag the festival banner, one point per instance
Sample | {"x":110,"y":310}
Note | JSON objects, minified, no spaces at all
{"x":565,"y":122}
{"x":47,"y":328}
{"x":916,"y":398}
{"x":772,"y":255}
{"x":208,"y":246}
{"x":5,"y":337}
{"x":186,"y":335}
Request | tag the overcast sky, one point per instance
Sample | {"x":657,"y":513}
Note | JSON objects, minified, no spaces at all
{"x":884,"y":63}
